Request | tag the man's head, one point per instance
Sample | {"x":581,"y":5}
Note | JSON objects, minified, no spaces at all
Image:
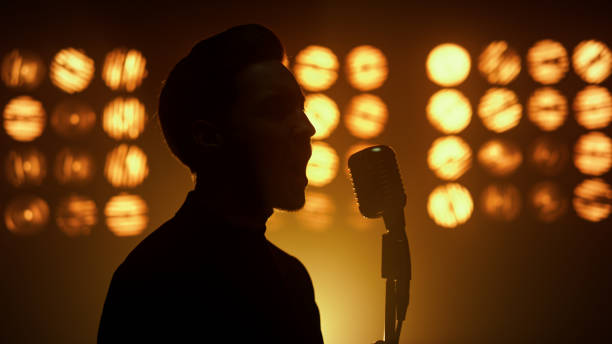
{"x":231,"y":109}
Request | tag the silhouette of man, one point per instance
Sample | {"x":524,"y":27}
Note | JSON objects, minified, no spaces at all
{"x":233,"y":114}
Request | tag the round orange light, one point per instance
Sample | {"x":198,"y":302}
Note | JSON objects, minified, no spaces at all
{"x":499,"y":64}
{"x":72,"y":70}
{"x":366,"y":116}
{"x":593,"y":200}
{"x":73,"y":166}
{"x":323,"y":113}
{"x":323,"y":164}
{"x":593,"y":107}
{"x":366,"y":68}
{"x":593,"y":153}
{"x":124,"y":118}
{"x":448,"y":64}
{"x":24,"y":118}
{"x":547,"y":62}
{"x":22,"y":70}
{"x":76,"y":215}
{"x":318,"y":211}
{"x":316,"y":68}
{"x":126,"y":215}
{"x":501,"y":202}
{"x":124,"y":69}
{"x":500,"y":157}
{"x":500,"y":110}
{"x":592,"y":61}
{"x":547,"y":201}
{"x":547,"y":108}
{"x":449,"y":157}
{"x":548,"y":155}
{"x":73,"y":118}
{"x":126,"y":166}
{"x":26,"y":215}
{"x":450,"y":205}
{"x":449,"y":111}
{"x":25,"y":167}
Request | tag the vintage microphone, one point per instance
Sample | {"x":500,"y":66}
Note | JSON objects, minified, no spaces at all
{"x":378,"y":187}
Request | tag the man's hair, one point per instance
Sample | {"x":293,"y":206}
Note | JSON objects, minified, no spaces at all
{"x":203,"y":84}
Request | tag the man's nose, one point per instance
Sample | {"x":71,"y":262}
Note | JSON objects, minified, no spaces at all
{"x":305,"y":127}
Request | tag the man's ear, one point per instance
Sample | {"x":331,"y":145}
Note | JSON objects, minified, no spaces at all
{"x":207,"y":136}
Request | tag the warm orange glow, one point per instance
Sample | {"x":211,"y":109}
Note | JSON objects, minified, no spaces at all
{"x":501,"y":202}
{"x":593,"y":153}
{"x":124,"y":69}
{"x":593,"y":200}
{"x":323,"y":113}
{"x":593,"y":107}
{"x":279,"y":220}
{"x":22,"y":70}
{"x":24,"y":118}
{"x":316,"y":68}
{"x":126,"y":166}
{"x":323,"y":164}
{"x":285,"y":61}
{"x":450,"y":205}
{"x":73,"y":166}
{"x":548,"y":156}
{"x":76,"y":215}
{"x":366,"y":116}
{"x":26,"y":215}
{"x":547,"y":108}
{"x":500,"y":110}
{"x":592,"y":61}
{"x":124,"y":118}
{"x":25,"y":167}
{"x":357,"y":221}
{"x":366,"y":67}
{"x":449,"y":157}
{"x":500,"y":157}
{"x":318,"y":212}
{"x":126,"y":215}
{"x":448,"y":64}
{"x":449,"y":111}
{"x":547,"y":62}
{"x":499,"y":64}
{"x":72,"y":70}
{"x":547,"y":201}
{"x":73,"y":118}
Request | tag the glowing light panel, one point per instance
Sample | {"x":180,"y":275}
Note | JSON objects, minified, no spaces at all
{"x":593,"y":107}
{"x":24,"y":118}
{"x":366,"y":116}
{"x":499,"y":64}
{"x":547,"y":62}
{"x":500,"y":110}
{"x":593,"y":153}
{"x":547,"y":108}
{"x":74,"y":166}
{"x":72,"y":70}
{"x":501,"y":202}
{"x":592,"y":61}
{"x":124,"y":118}
{"x":448,"y":64}
{"x":500,"y":157}
{"x":449,"y":157}
{"x":547,"y":201}
{"x":76,"y":215}
{"x":126,"y":215}
{"x":323,"y":113}
{"x":124,"y":69}
{"x":450,"y":205}
{"x":593,"y":200}
{"x":25,"y":166}
{"x":73,"y":118}
{"x":316,"y":68}
{"x":549,"y":156}
{"x":366,"y":68}
{"x":26,"y":215}
{"x":126,"y":166}
{"x":22,"y":70}
{"x":323,"y":164}
{"x":449,"y":111}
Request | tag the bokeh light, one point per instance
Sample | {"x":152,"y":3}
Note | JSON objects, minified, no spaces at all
{"x":501,"y":202}
{"x":73,"y":118}
{"x":26,"y":215}
{"x":72,"y":70}
{"x":366,"y":116}
{"x":547,"y":62}
{"x":592,"y":61}
{"x":323,"y":164}
{"x":24,"y":118}
{"x":316,"y":68}
{"x":500,"y":157}
{"x":500,"y":110}
{"x":449,"y":157}
{"x":323,"y":113}
{"x":548,"y":155}
{"x":124,"y":118}
{"x":593,"y":107}
{"x":76,"y":215}
{"x":366,"y":67}
{"x":449,"y":111}
{"x":547,"y":201}
{"x":318,"y":212}
{"x":499,"y":63}
{"x":25,"y":166}
{"x":448,"y":64}
{"x":593,"y":153}
{"x":126,"y":166}
{"x":124,"y":69}
{"x":450,"y":205}
{"x":126,"y":215}
{"x":547,"y":108}
{"x":22,"y":70}
{"x":74,"y":166}
{"x":593,"y":199}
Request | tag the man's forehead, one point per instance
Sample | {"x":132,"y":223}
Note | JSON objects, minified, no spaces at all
{"x":269,"y":78}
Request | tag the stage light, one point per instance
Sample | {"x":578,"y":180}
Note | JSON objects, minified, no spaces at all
{"x":449,"y":111}
{"x":318,"y":211}
{"x":73,"y":166}
{"x":24,"y":118}
{"x":124,"y":69}
{"x":366,"y":116}
{"x":501,"y":202}
{"x":500,"y":110}
{"x":547,"y":201}
{"x":449,"y":157}
{"x":72,"y":70}
{"x":26,"y":215}
{"x":547,"y":108}
{"x":448,"y":64}
{"x":316,"y":68}
{"x":22,"y":70}
{"x":73,"y":118}
{"x":500,"y":157}
{"x":593,"y":199}
{"x":124,"y":118}
{"x":76,"y":215}
{"x":593,"y":153}
{"x":548,"y":155}
{"x":366,"y":67}
{"x":450,"y":205}
{"x":592,"y":61}
{"x":126,"y":166}
{"x":547,"y":62}
{"x":323,"y":113}
{"x":25,"y":166}
{"x":323,"y":164}
{"x":593,"y":107}
{"x":499,"y":64}
{"x":126,"y":215}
